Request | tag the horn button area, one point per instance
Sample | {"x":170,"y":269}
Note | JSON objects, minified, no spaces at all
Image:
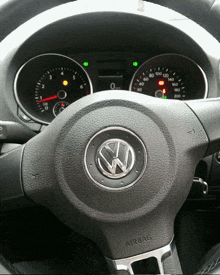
{"x":115,"y":158}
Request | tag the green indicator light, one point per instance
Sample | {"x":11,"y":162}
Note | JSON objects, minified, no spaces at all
{"x":135,"y":64}
{"x":86,"y":64}
{"x":164,"y":96}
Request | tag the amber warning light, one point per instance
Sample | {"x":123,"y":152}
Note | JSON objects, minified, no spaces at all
{"x":65,"y":83}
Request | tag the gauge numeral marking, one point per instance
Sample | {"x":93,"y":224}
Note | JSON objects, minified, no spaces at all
{"x":146,"y":79}
{"x":174,"y":84}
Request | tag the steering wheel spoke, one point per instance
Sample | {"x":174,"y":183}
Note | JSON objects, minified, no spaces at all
{"x":152,"y":262}
{"x":207,"y":111}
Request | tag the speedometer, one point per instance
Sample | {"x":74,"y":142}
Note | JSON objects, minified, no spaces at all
{"x":170,"y":76}
{"x":49,"y":83}
{"x":160,"y":82}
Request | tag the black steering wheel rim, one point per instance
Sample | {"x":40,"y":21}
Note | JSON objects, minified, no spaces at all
{"x":204,"y":12}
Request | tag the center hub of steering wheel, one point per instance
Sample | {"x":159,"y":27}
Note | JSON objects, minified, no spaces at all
{"x":115,"y":158}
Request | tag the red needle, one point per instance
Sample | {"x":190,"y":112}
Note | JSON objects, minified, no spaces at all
{"x":47,"y":98}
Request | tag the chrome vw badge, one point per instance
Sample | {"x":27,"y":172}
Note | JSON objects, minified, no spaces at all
{"x":115,"y":158}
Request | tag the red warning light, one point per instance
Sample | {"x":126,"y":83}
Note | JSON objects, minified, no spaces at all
{"x":161,"y":82}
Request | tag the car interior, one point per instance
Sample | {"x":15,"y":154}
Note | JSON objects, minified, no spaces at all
{"x":109,"y":137}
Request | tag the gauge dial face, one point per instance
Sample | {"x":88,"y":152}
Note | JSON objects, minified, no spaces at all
{"x":48,"y":84}
{"x":59,"y":107}
{"x":160,"y":82}
{"x":59,"y":84}
{"x":170,"y":76}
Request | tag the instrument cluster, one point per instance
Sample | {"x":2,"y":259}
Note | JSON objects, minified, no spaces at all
{"x":47,"y":84}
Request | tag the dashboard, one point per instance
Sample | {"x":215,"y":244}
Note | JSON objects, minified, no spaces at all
{"x":48,"y":83}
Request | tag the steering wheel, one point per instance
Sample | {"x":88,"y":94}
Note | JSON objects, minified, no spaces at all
{"x":115,"y":165}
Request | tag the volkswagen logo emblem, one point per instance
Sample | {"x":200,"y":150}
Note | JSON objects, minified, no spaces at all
{"x":115,"y":158}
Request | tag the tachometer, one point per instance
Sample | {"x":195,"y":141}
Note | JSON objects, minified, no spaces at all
{"x":170,"y":76}
{"x":48,"y":83}
{"x":62,"y":83}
